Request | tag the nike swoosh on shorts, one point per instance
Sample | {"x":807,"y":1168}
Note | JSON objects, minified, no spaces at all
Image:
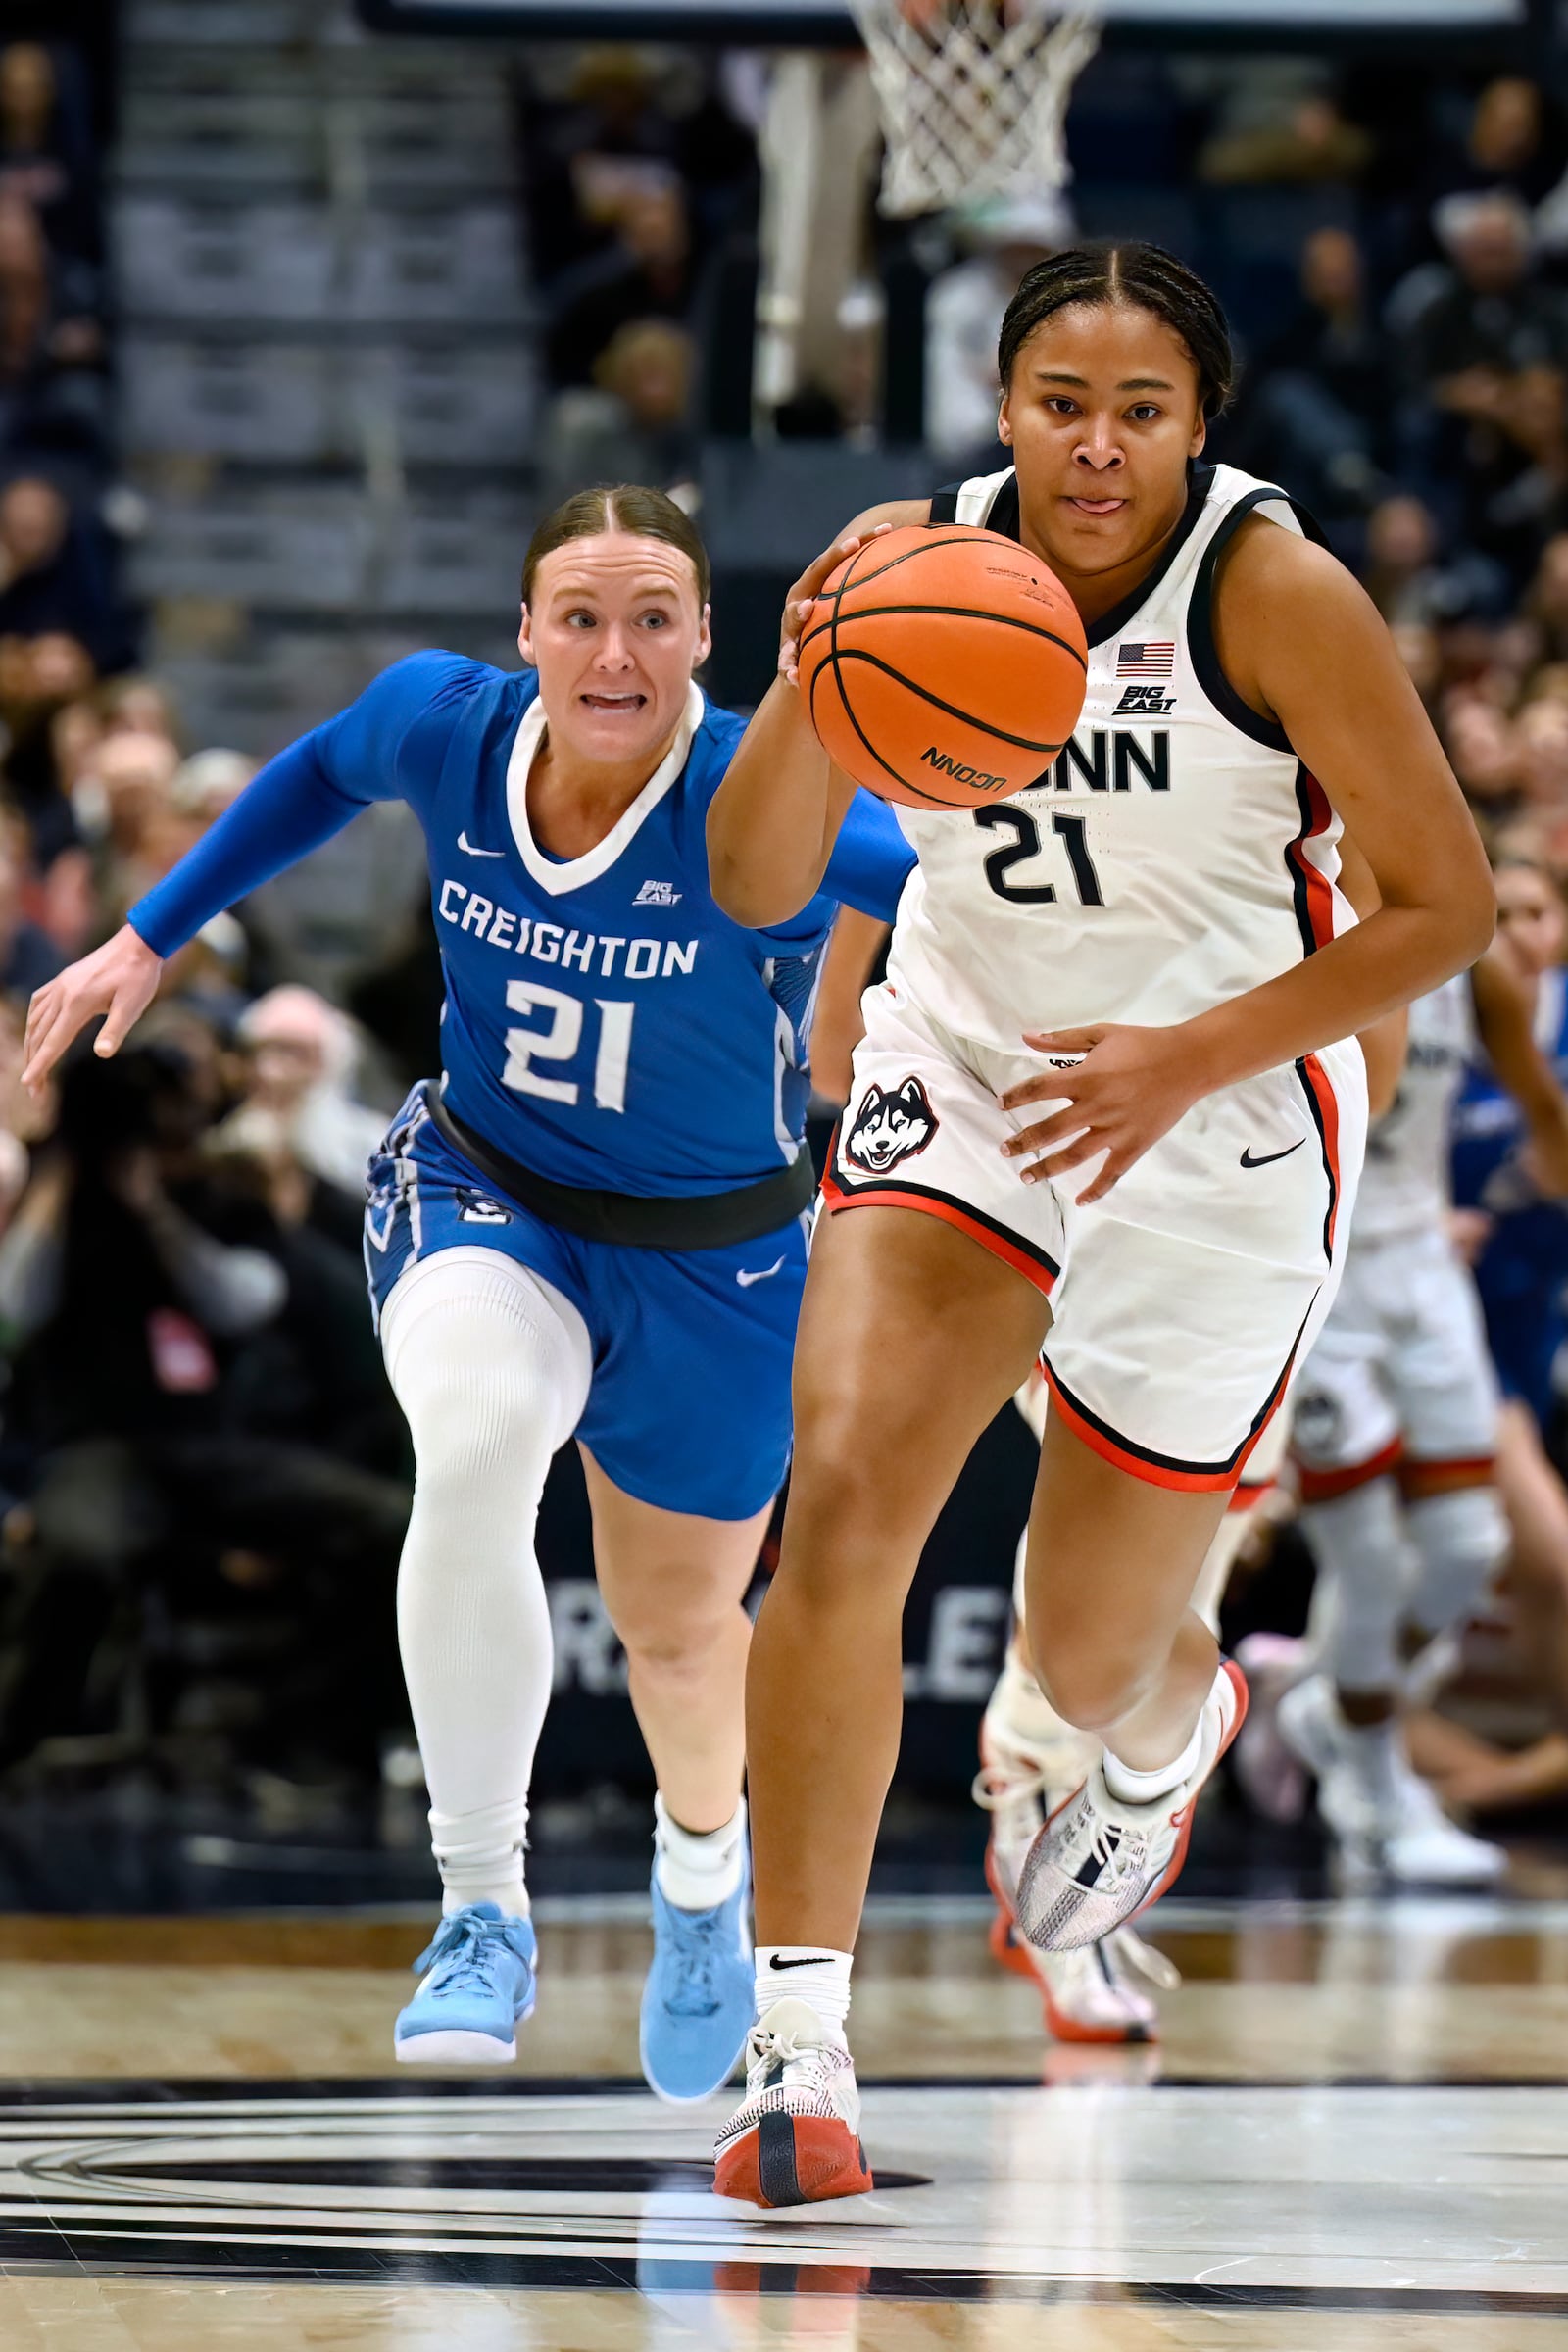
{"x":469,"y":850}
{"x":746,"y":1278}
{"x":1247,"y":1161}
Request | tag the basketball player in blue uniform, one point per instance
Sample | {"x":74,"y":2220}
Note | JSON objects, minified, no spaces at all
{"x":595,"y":1225}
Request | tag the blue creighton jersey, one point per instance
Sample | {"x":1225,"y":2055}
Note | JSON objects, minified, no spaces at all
{"x":606,"y":1024}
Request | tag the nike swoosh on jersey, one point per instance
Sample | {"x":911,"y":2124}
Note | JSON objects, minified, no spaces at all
{"x":1247,"y":1161}
{"x":469,"y":850}
{"x":745,"y":1279}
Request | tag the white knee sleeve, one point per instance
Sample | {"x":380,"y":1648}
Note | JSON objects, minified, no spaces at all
{"x":1461,"y":1540}
{"x":491,"y":1367}
{"x":1364,"y":1574}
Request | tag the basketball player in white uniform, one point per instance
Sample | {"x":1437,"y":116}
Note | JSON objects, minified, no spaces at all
{"x":1396,"y":1424}
{"x":1102,"y":1117}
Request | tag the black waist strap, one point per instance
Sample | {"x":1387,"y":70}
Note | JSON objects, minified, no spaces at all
{"x":692,"y":1221}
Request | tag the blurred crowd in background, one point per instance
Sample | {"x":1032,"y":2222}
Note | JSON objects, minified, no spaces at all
{"x":202,"y":1479}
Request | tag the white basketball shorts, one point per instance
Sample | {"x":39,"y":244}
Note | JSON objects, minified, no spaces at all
{"x":1400,"y":1371}
{"x":1181,"y":1301}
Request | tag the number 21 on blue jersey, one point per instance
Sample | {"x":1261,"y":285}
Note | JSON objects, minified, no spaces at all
{"x":561,"y":1041}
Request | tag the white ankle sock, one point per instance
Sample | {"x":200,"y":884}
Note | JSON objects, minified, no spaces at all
{"x":697,"y":1870}
{"x":1143,"y":1787}
{"x":812,"y":1972}
{"x":481,"y":1856}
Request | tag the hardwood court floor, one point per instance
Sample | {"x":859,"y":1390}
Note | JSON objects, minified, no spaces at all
{"x":1352,"y":2136}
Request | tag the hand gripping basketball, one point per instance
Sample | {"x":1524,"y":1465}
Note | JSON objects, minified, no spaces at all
{"x":943,"y":666}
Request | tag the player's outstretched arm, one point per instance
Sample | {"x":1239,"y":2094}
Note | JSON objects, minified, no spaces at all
{"x":300,"y":798}
{"x":1303,"y":643}
{"x":773,"y":821}
{"x":117,"y":981}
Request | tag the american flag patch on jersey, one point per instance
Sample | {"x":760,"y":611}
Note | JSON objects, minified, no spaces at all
{"x":1146,"y":660}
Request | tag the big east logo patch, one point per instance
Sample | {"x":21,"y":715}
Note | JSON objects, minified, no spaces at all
{"x":889,"y":1128}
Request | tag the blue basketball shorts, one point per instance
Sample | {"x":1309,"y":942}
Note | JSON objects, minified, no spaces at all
{"x":689,"y":1405}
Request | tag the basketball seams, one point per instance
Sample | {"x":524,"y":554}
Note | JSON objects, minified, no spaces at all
{"x":849,"y":712}
{"x":837,"y":653}
{"x":1003,"y":620}
{"x":981,"y":726}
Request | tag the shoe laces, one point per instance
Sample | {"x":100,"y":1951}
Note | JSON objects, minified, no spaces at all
{"x":473,"y":1948}
{"x":1003,"y":1780}
{"x":779,"y":2064}
{"x":693,"y":1935}
{"x":1122,"y":1854}
{"x":1130,"y":1951}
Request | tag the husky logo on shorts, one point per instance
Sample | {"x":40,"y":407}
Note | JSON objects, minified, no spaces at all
{"x":889,"y":1128}
{"x":478,"y":1208}
{"x":1316,"y":1422}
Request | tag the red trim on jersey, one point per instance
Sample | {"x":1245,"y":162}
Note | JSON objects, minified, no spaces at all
{"x":1328,"y":1111}
{"x":1315,"y":892}
{"x":1327,"y":1486}
{"x":1011,"y":1253}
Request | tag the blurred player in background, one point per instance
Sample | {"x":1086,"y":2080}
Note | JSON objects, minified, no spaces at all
{"x":1396,"y":1427}
{"x":1185,"y":1192}
{"x":596,"y":1225}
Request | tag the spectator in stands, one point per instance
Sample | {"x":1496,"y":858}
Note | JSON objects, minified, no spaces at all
{"x":964,"y":312}
{"x":1421,"y":651}
{"x":1480,"y":743}
{"x":52,"y":355}
{"x":622,"y":114}
{"x":48,"y":581}
{"x":1306,"y":139}
{"x":137,"y":706}
{"x":28,"y":957}
{"x":122,"y":804}
{"x":45,"y":156}
{"x":646,"y":272}
{"x":206,"y":783}
{"x":1489,"y":314}
{"x":1323,"y":395}
{"x":637,"y":421}
{"x":1517,"y":481}
{"x":301,"y":1053}
{"x":1515,"y":141}
{"x":1548,"y":599}
{"x":1407,"y":578}
{"x":134,"y":1284}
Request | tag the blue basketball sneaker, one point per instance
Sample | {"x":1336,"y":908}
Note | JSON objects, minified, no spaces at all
{"x":480,"y":1987}
{"x":699,"y":1998}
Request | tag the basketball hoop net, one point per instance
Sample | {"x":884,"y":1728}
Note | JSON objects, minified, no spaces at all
{"x":972,"y":94}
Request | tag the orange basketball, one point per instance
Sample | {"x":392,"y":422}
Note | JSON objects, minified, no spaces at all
{"x":943,"y":666}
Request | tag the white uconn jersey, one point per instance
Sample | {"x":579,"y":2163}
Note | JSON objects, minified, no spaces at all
{"x":1405,"y":1179}
{"x":1175,"y":854}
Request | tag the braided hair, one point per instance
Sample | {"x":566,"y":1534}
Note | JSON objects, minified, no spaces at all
{"x":1142,"y":277}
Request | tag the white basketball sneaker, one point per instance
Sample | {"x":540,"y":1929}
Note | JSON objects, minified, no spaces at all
{"x":794,"y":2137}
{"x":1425,"y":1848}
{"x":1100,"y":1861}
{"x":1385,"y":1820}
{"x":1088,"y":1996}
{"x":1357,"y":1792}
